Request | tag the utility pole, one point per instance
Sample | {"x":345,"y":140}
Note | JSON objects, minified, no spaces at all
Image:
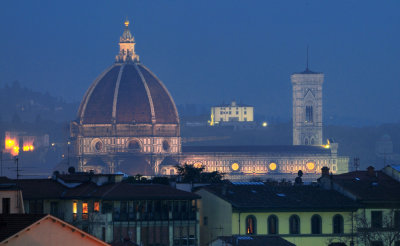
{"x":1,"y":162}
{"x":16,"y":162}
{"x":356,"y":163}
{"x":68,"y":143}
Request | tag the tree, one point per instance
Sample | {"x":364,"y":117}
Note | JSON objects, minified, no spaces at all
{"x":385,"y":230}
{"x":189,"y":173}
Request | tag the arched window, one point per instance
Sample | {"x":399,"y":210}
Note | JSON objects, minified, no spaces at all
{"x":134,"y":145}
{"x":309,"y":113}
{"x":294,"y":224}
{"x":306,"y":141}
{"x":312,"y":141}
{"x":337,"y":224}
{"x":272,"y":224}
{"x":316,"y":224}
{"x":250,"y":225}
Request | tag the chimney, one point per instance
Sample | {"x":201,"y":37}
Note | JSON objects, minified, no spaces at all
{"x":325,"y":171}
{"x":371,"y":171}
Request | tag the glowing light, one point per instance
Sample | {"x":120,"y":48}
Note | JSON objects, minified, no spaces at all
{"x":326,"y":146}
{"x":29,"y":147}
{"x":212,"y":119}
{"x":272,"y":166}
{"x":10,"y":143}
{"x":52,"y":144}
{"x":310,"y":165}
{"x":15,"y":151}
{"x":198,"y":165}
{"x":264,"y":124}
{"x":96,"y":206}
{"x":85,"y":209}
{"x":126,"y":23}
{"x":235,"y":166}
{"x":74,"y":207}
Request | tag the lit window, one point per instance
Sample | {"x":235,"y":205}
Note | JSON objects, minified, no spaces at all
{"x":96,"y":206}
{"x":85,"y":210}
{"x":250,"y":225}
{"x":310,"y":165}
{"x":74,"y":207}
{"x":74,"y":210}
{"x":272,"y":166}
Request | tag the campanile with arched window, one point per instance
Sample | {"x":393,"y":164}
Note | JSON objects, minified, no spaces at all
{"x":307,"y":107}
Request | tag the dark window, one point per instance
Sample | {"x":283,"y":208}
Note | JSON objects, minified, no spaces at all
{"x":133,"y":145}
{"x":294,"y":224}
{"x":54,"y":208}
{"x":103,"y":233}
{"x":272,"y":224}
{"x":250,"y":225}
{"x":106,"y":207}
{"x":6,"y":205}
{"x":316,"y":224}
{"x":337,"y":224}
{"x":98,"y":146}
{"x":205,"y":221}
{"x":376,"y":219}
{"x":309,"y":113}
{"x":306,"y":141}
{"x":165,"y":145}
{"x":36,"y":207}
{"x":397,"y":219}
{"x":312,"y":141}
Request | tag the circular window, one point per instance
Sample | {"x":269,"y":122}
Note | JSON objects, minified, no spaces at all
{"x":272,"y":166}
{"x":198,"y":165}
{"x":134,"y":145}
{"x":165,"y":145}
{"x":98,"y":146}
{"x":310,"y":165}
{"x":235,"y":166}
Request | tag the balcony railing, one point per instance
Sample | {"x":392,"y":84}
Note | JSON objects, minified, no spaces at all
{"x":154,"y":216}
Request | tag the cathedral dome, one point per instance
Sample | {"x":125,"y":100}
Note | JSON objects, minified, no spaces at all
{"x":127,"y":93}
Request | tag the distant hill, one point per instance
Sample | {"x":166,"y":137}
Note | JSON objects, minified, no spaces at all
{"x":22,"y":104}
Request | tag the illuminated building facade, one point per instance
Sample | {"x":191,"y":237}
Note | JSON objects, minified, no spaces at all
{"x":15,"y":142}
{"x":127,"y":118}
{"x":307,"y":107}
{"x":128,"y":122}
{"x":232,"y":112}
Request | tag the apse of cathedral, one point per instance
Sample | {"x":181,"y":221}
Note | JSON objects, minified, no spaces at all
{"x":128,"y":122}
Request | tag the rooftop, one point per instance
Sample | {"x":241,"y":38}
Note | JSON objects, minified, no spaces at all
{"x":281,"y":197}
{"x":51,"y":188}
{"x":286,"y":149}
{"x":369,"y":186}
{"x":11,"y":224}
{"x":255,"y":241}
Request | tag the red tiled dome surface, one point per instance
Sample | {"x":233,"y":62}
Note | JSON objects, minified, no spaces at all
{"x":127,"y":93}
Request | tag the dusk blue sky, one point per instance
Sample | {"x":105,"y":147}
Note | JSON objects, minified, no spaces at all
{"x":209,"y":52}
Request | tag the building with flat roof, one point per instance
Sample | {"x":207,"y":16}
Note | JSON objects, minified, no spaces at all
{"x":233,"y":112}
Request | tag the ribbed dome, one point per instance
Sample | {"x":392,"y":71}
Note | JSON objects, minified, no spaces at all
{"x":127,"y":93}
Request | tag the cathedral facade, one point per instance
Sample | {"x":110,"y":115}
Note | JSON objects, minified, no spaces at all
{"x":128,"y":122}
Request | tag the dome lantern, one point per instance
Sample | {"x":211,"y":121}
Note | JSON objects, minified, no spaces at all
{"x":127,"y":46}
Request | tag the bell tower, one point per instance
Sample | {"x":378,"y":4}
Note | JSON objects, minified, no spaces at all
{"x":307,"y":107}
